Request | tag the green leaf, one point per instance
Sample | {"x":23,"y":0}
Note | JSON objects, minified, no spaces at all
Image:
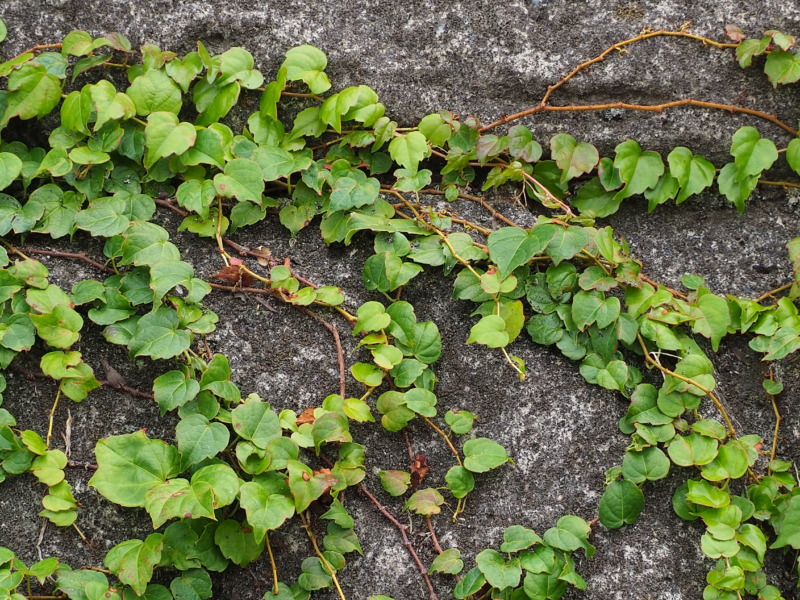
{"x":237,"y":542}
{"x":570,"y":533}
{"x":512,"y":247}
{"x":306,"y":485}
{"x":265,"y":511}
{"x":638,"y":170}
{"x":199,"y":439}
{"x":448,"y":562}
{"x":435,"y":129}
{"x":693,"y":172}
{"x":32,"y":92}
{"x":213,"y":101}
{"x":60,"y":328}
{"x":692,"y":449}
{"x":10,"y":168}
{"x":752,"y":153}
{"x":566,"y":242}
{"x":330,"y":427}
{"x":408,"y":150}
{"x":592,"y":200}
{"x":573,"y":158}
{"x":516,"y":538}
{"x":274,"y":162}
{"x":164,"y":136}
{"x":157,"y":335}
{"x":489,"y":331}
{"x":194,"y":584}
{"x":386,"y":272}
{"x":254,"y":420}
{"x":498,"y":572}
{"x":372,"y":316}
{"x":129,"y":465}
{"x":747,"y":49}
{"x":793,"y":155}
{"x":735,"y":190}
{"x":649,"y":464}
{"x":482,"y":454}
{"x":209,"y":147}
{"x":713,"y":318}
{"x":395,"y":483}
{"x":703,"y":493}
{"x":622,"y":502}
{"x":3,"y":31}
{"x":307,"y":63}
{"x":782,"y":67}
{"x":592,"y":307}
{"x":354,"y":191}
{"x":460,"y":481}
{"x":460,"y":421}
{"x":788,"y":525}
{"x":395,"y":413}
{"x":522,"y":145}
{"x":470,"y":584}
{"x":242,"y":179}
{"x":133,"y":561}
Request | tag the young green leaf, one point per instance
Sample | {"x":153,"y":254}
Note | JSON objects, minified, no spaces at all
{"x":638,"y":170}
{"x":621,"y":503}
{"x":482,"y":454}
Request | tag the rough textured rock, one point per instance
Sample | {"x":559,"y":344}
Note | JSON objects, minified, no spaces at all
{"x":486,"y":59}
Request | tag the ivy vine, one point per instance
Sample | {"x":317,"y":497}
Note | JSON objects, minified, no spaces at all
{"x":241,"y":468}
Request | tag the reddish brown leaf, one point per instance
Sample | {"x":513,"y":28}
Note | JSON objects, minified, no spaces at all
{"x":307,"y":416}
{"x":263,"y":255}
{"x":735,"y":33}
{"x":234,"y":275}
{"x":419,"y":469}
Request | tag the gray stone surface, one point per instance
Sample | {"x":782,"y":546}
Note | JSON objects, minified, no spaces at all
{"x":486,"y":59}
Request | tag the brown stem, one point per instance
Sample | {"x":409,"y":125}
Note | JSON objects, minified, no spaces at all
{"x":771,"y":293}
{"x":82,"y":465}
{"x":660,"y":107}
{"x":434,"y":539}
{"x":273,"y":566}
{"x":403,"y":529}
{"x":780,"y":183}
{"x":167,"y":204}
{"x":445,"y":437}
{"x":599,"y":58}
{"x":126,"y":389}
{"x":339,"y":351}
{"x":674,"y":292}
{"x":76,"y":255}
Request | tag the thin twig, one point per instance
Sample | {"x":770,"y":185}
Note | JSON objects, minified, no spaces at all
{"x":127,"y":389}
{"x":273,"y":566}
{"x":51,"y":418}
{"x":445,"y":437}
{"x":76,"y":255}
{"x":771,"y":293}
{"x":542,"y":105}
{"x":778,"y":419}
{"x":307,"y":526}
{"x":82,"y":465}
{"x":434,"y":539}
{"x":339,"y":350}
{"x":675,"y":103}
{"x":406,"y":542}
